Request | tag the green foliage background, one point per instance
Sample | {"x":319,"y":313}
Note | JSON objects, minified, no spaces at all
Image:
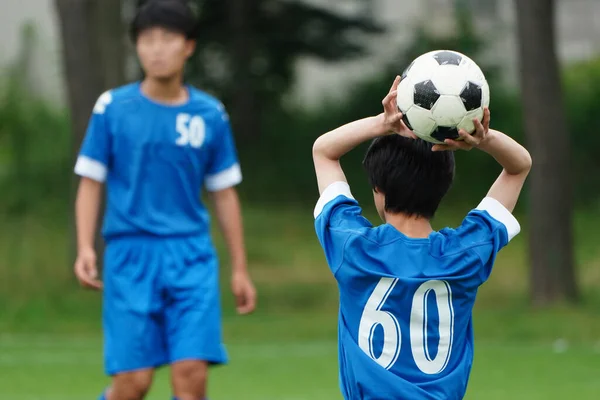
{"x":52,"y":322}
{"x":36,"y":181}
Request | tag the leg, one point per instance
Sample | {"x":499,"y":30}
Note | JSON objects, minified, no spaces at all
{"x":130,"y":385}
{"x":133,"y":322}
{"x":189,"y":379}
{"x":192,"y":317}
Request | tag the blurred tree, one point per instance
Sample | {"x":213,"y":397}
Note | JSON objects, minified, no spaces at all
{"x":93,"y":52}
{"x":551,"y":233}
{"x":20,"y":88}
{"x":82,"y":71}
{"x":582,"y":96}
{"x":465,"y":39}
{"x":278,"y":157}
{"x":93,"y":57}
{"x":247,"y":51}
{"x":244,"y":102}
{"x":109,"y":35}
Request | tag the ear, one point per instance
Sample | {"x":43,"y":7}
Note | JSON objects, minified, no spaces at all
{"x":190,"y":47}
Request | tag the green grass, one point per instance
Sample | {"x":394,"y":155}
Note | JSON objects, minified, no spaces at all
{"x":50,"y":345}
{"x":48,"y":367}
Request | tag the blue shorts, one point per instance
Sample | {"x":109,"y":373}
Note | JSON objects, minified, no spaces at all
{"x":161,"y":303}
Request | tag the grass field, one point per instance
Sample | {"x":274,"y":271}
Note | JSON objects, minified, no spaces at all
{"x":47,"y":367}
{"x":50,"y":347}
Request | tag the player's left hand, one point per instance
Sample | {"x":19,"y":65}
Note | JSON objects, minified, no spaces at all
{"x":86,"y":270}
{"x":244,"y":292}
{"x":392,"y":116}
{"x":468,"y":141}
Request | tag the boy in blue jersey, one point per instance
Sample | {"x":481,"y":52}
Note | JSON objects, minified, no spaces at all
{"x":406,"y":291}
{"x":155,"y":144}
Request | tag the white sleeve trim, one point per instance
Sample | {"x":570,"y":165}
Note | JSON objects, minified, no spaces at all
{"x":90,"y":168}
{"x":224,"y":179}
{"x":103,"y":101}
{"x":501,"y":214}
{"x":331,"y":192}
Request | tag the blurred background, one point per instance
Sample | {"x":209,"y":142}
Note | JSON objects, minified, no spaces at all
{"x":288,"y":71}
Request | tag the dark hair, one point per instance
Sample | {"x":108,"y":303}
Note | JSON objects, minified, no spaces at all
{"x":413,"y":178}
{"x":174,"y":15}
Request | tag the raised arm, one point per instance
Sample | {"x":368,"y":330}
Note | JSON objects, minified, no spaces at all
{"x":516,"y":163}
{"x":330,"y":147}
{"x":514,"y":159}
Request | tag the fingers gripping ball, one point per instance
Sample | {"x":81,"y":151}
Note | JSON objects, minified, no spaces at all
{"x":441,"y":92}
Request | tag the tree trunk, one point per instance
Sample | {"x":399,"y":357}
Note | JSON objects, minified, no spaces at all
{"x":551,"y":234}
{"x":93,"y":57}
{"x":109,"y":35}
{"x":245,"y":108}
{"x":83,"y":74}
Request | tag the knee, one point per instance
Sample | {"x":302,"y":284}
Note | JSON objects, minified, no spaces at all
{"x":189,"y":380}
{"x":131,"y":386}
{"x":191,"y":372}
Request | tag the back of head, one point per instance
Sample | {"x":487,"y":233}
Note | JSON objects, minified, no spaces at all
{"x":173,"y":15}
{"x":413,"y":178}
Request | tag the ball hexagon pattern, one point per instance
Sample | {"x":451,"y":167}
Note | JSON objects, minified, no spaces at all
{"x":441,"y":92}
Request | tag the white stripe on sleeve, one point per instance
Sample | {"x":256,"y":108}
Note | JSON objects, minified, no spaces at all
{"x":331,"y":192}
{"x":501,"y":214}
{"x":224,"y":179}
{"x":90,"y":168}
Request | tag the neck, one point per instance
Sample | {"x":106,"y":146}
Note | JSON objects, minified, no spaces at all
{"x":413,"y":227}
{"x":169,"y":91}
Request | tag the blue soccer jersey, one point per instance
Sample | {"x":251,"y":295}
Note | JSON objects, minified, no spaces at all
{"x":161,"y":301}
{"x":155,"y":159}
{"x":405,"y":319}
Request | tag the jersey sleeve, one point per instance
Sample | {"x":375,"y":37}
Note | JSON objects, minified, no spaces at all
{"x":94,"y":155}
{"x":337,"y":217}
{"x":486,"y":230}
{"x":224,"y":169}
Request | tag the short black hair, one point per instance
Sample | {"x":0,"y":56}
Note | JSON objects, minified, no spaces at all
{"x":174,"y":15}
{"x":413,"y":178}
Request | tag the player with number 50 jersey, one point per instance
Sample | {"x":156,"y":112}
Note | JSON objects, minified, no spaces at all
{"x":156,"y":144}
{"x":156,"y":158}
{"x":407,"y":291}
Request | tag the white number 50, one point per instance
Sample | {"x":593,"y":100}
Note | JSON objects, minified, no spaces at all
{"x":192,"y":130}
{"x":372,"y":317}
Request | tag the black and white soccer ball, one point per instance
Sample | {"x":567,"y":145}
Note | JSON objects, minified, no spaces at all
{"x":441,"y":92}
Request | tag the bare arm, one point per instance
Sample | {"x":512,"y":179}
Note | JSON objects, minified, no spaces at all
{"x":516,"y":163}
{"x":330,"y":147}
{"x":229,"y":216}
{"x":87,"y":205}
{"x":514,"y":159}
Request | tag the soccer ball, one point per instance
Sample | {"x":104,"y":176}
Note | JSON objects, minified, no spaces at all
{"x":441,"y":92}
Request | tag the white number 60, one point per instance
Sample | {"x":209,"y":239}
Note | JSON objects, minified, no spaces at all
{"x":373,"y":316}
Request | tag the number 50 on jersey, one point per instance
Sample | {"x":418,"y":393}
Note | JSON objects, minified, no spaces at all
{"x":373,"y":316}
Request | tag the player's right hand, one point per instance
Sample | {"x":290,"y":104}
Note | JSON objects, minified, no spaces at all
{"x":392,"y":115}
{"x":86,"y":270}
